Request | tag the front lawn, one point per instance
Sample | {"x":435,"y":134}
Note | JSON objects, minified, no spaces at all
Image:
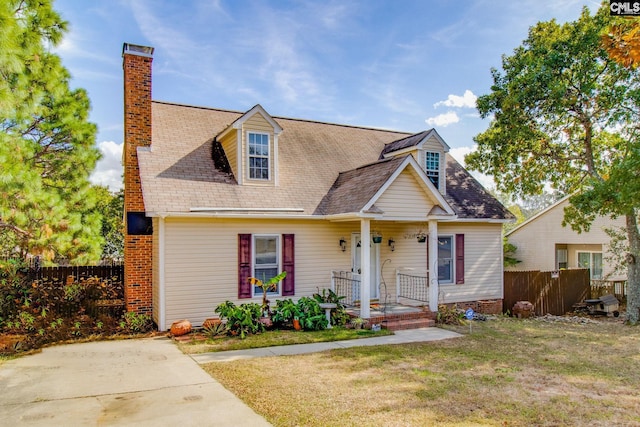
{"x":199,"y":344}
{"x":506,"y":372}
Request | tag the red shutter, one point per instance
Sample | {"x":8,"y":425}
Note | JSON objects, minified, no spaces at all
{"x":288,"y":265}
{"x":244,"y":265}
{"x":459,"y":259}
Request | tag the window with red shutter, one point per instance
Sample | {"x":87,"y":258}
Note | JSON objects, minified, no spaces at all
{"x":244,"y":265}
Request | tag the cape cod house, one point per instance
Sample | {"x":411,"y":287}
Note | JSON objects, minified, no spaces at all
{"x":213,"y":197}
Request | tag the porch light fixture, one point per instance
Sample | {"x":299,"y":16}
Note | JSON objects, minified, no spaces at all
{"x":392,"y":244}
{"x":343,"y":244}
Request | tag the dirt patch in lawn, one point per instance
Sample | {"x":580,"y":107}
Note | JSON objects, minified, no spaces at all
{"x":506,"y":372}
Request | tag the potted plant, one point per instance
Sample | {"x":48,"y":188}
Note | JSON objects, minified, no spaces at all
{"x":421,"y":236}
{"x":377,"y":237}
{"x":358,"y":322}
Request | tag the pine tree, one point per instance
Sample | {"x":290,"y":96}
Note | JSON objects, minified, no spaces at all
{"x":47,"y":148}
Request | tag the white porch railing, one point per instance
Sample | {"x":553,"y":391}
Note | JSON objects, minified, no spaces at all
{"x":412,"y":285}
{"x":344,"y":284}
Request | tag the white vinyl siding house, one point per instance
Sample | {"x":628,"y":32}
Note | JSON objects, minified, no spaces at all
{"x":544,"y":244}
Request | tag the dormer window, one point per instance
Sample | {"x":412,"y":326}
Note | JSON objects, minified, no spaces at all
{"x":432,"y":167}
{"x":258,"y":155}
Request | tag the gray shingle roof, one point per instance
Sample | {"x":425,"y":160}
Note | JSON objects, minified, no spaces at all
{"x":468,"y":198}
{"x":353,"y":189}
{"x":185,"y":167}
{"x":409,"y":141}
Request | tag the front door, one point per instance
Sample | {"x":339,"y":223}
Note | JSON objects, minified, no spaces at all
{"x":356,"y":246}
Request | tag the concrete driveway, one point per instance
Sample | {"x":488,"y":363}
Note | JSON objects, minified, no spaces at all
{"x":142,"y":382}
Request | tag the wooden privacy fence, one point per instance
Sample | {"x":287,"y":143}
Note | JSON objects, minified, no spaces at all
{"x":103,"y":298}
{"x":549,"y":292}
{"x":113,"y":272}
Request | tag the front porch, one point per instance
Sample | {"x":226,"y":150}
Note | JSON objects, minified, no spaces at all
{"x":408,"y":308}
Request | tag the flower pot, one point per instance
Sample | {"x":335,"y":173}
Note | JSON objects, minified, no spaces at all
{"x":377,"y":239}
{"x":296,"y":325}
{"x":180,"y":327}
{"x":422,"y":239}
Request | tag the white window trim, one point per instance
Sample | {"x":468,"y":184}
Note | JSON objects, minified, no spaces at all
{"x":578,"y":252}
{"x":269,"y":157}
{"x":453,"y":260}
{"x":278,"y":258}
{"x":439,"y":170}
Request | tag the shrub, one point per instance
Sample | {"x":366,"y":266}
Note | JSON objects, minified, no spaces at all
{"x":45,"y":311}
{"x":243,"y":319}
{"x":136,"y":323}
{"x":339,"y":315}
{"x":312,"y":317}
{"x":449,"y":315}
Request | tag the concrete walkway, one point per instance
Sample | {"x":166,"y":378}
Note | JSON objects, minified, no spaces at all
{"x":142,"y":382}
{"x":400,"y":337}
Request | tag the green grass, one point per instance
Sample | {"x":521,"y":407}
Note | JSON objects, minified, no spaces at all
{"x":506,"y":372}
{"x":275,"y":338}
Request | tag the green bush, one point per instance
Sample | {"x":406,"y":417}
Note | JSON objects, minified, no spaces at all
{"x":243,"y":319}
{"x":136,"y":323}
{"x":284,"y":313}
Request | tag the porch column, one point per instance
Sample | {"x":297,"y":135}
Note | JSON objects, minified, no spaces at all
{"x":365,"y":274}
{"x":433,"y":266}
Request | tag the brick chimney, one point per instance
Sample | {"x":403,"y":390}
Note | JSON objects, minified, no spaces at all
{"x":137,"y":133}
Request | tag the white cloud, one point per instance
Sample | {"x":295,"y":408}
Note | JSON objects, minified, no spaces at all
{"x":109,"y":170}
{"x":468,"y":100}
{"x":444,"y":120}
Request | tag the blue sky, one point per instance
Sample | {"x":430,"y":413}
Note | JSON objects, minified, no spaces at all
{"x":406,"y":65}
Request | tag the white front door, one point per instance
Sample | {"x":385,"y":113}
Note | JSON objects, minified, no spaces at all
{"x":356,"y":245}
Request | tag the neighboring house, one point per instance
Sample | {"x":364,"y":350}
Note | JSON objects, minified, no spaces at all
{"x":544,"y":244}
{"x":213,"y":197}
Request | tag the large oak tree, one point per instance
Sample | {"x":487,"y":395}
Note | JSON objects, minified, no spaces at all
{"x":564,"y":113}
{"x":47,"y":146}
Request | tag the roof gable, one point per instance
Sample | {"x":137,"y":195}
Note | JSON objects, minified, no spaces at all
{"x":257,"y":109}
{"x":413,"y":142}
{"x":398,"y":183}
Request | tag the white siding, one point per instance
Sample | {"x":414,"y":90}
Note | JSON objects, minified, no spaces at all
{"x":483,"y":271}
{"x":536,"y":241}
{"x":201,"y":260}
{"x":405,"y":198}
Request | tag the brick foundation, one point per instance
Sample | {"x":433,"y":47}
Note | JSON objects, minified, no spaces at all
{"x":493,"y":306}
{"x":137,"y":133}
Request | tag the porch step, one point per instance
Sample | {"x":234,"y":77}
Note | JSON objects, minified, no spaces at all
{"x":412,"y":320}
{"x":399,"y":325}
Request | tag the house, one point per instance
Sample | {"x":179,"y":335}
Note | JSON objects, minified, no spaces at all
{"x":213,"y":197}
{"x":544,"y":244}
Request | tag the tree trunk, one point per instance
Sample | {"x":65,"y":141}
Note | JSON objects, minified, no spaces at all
{"x":633,"y":269}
